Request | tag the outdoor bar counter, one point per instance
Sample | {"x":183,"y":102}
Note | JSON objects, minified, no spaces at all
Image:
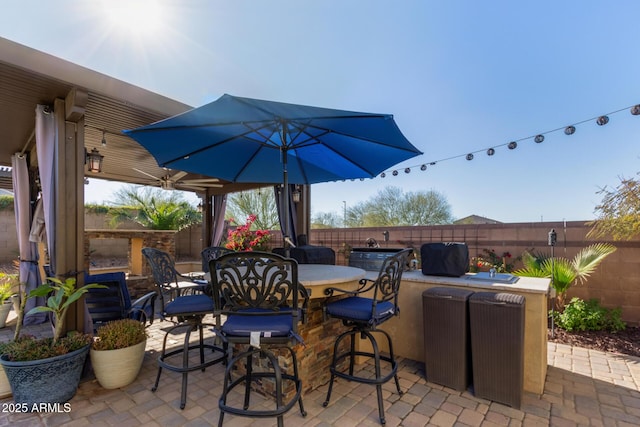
{"x":407,"y":329}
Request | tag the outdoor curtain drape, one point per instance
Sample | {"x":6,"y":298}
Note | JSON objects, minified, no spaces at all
{"x":219,"y":210}
{"x":280,"y":204}
{"x":45,"y":148}
{"x":29,"y":275}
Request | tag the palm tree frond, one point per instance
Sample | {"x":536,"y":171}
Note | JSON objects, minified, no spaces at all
{"x":588,"y":259}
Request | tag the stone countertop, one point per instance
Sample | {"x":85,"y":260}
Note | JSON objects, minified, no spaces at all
{"x":471,"y":280}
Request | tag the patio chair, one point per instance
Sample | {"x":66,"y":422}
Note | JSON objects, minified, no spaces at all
{"x":189,"y":311}
{"x":263,"y":304}
{"x":167,"y":278}
{"x":210,"y":253}
{"x":114,"y":301}
{"x":362,"y":315}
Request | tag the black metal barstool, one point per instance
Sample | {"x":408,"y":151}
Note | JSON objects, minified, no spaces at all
{"x":189,"y":310}
{"x":263,"y":303}
{"x":210,"y":253}
{"x":363,"y":315}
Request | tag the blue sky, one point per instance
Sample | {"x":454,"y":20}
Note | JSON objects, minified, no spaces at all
{"x":459,"y":76}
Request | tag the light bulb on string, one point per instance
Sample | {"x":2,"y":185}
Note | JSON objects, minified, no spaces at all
{"x":539,"y":138}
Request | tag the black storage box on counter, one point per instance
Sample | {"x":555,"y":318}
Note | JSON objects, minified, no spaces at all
{"x":370,"y":259}
{"x":444,"y":259}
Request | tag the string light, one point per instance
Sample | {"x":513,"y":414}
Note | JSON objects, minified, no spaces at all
{"x":538,"y":138}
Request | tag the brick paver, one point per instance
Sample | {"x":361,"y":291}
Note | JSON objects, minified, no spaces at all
{"x":583,"y":387}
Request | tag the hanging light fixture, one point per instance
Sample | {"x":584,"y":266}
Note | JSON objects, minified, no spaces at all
{"x":512,"y":145}
{"x":635,"y":110}
{"x":491,"y":152}
{"x":94,"y":160}
{"x":569,"y":130}
{"x":104,"y":140}
{"x":407,"y":170}
{"x":469,"y":156}
{"x":382,"y":175}
{"x":296,"y":194}
{"x":602,"y":120}
{"x":423,"y":167}
{"x":394,"y":173}
{"x":539,"y":138}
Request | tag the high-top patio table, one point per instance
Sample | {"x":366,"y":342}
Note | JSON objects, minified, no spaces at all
{"x":314,"y":357}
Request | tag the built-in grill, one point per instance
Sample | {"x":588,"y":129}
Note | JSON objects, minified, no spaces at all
{"x":370,"y":259}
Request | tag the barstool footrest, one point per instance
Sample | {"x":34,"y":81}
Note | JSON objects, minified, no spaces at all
{"x":279,"y":411}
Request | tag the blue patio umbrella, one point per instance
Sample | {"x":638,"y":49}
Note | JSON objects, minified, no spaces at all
{"x":256,"y":141}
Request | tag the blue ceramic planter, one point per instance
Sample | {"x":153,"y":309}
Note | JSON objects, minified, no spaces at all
{"x":52,"y":380}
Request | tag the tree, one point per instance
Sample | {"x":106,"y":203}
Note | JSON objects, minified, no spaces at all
{"x":153,"y":208}
{"x":261,"y":203}
{"x":326,"y":220}
{"x":392,"y":207}
{"x":619,"y":211}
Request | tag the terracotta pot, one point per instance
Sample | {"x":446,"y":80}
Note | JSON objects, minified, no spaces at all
{"x":117,"y":368}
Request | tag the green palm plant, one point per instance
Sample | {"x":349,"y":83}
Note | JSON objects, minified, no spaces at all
{"x":154,"y":209}
{"x":564,"y":272}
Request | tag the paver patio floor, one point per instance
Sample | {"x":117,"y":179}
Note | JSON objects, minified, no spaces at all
{"x":583,"y":387}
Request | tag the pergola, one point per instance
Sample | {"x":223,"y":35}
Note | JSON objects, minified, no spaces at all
{"x":89,"y":107}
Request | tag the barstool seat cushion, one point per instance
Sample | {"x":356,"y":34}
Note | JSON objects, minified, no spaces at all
{"x":184,"y":305}
{"x":358,"y":309}
{"x":273,"y":325}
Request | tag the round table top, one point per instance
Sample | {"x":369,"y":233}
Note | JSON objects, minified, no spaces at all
{"x":317,"y":277}
{"x":322,"y":274}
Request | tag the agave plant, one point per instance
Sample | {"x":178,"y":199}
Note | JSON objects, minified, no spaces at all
{"x":564,"y":272}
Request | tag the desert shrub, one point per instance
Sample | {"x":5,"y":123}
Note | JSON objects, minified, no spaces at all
{"x":580,"y":315}
{"x":119,"y":334}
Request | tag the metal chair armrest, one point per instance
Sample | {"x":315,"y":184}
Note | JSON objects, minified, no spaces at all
{"x":140,"y":304}
{"x":362,"y":287}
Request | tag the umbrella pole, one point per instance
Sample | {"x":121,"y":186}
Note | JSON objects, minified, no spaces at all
{"x":285,"y":196}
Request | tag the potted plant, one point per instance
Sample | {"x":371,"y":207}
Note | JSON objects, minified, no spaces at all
{"x":117,"y":352}
{"x":7,"y":284}
{"x":48,"y":370}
